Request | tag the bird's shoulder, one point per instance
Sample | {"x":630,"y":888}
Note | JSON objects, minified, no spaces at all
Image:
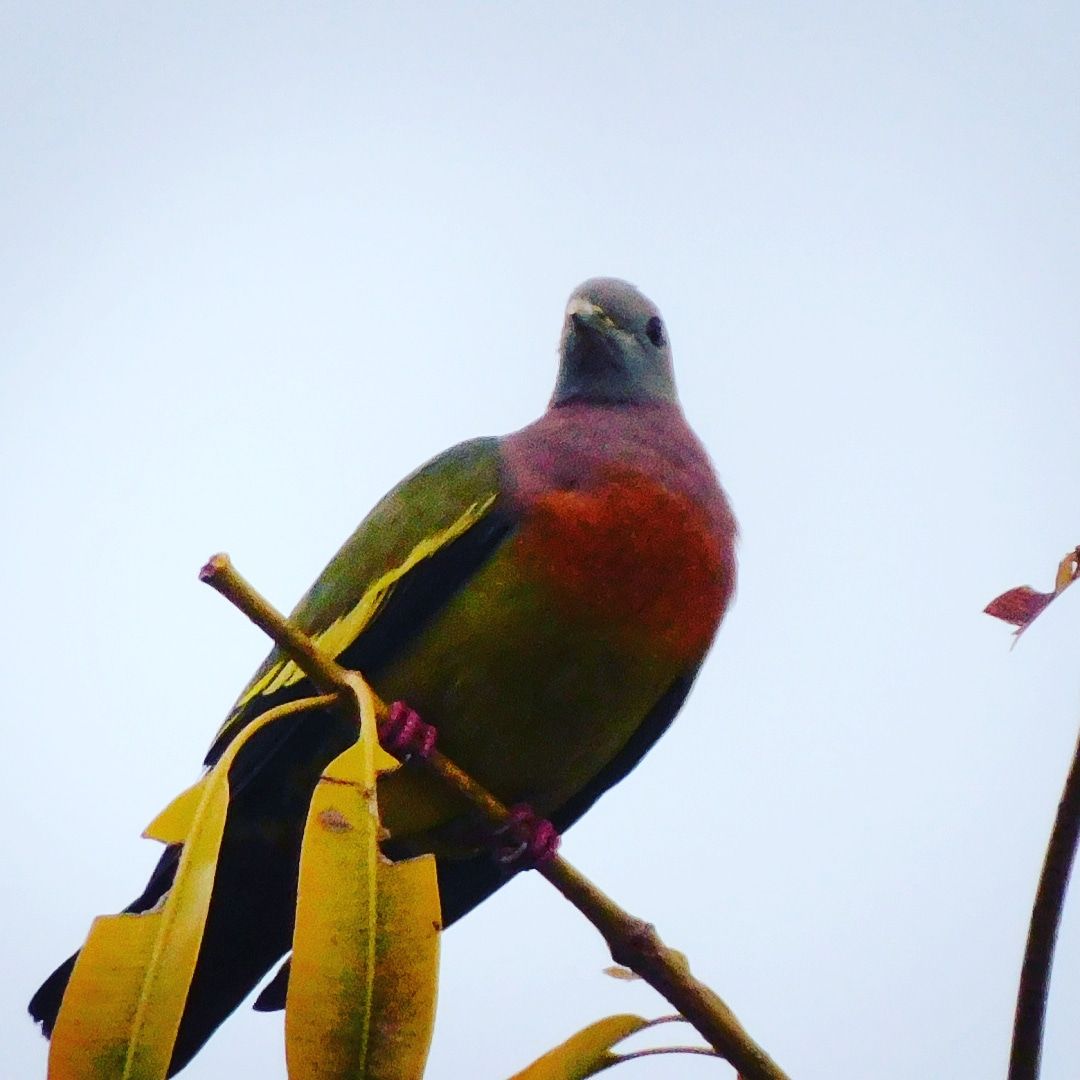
{"x":433,"y":505}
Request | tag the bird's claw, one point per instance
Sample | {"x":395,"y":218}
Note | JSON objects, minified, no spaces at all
{"x":525,"y":840}
{"x":403,"y":734}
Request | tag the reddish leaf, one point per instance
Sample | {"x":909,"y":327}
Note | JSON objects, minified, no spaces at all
{"x":1022,"y":605}
{"x":1019,"y":606}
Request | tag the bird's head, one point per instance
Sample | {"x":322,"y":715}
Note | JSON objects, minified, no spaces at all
{"x":614,"y":348}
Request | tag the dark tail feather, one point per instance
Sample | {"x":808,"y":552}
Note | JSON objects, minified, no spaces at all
{"x":45,"y":1004}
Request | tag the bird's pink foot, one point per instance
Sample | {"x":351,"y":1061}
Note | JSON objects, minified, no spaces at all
{"x":525,"y":840}
{"x":404,"y":734}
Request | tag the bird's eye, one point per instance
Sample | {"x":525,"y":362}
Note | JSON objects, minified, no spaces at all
{"x":654,"y":329}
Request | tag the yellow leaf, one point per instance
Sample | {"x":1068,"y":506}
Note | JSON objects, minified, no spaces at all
{"x":586,"y":1053}
{"x":173,"y":824}
{"x":123,"y":1004}
{"x":361,"y":996}
{"x":406,"y":969}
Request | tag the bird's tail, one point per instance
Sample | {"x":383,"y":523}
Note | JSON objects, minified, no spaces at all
{"x":45,"y":1004}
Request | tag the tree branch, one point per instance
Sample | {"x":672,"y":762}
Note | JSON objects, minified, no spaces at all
{"x":1042,"y":932}
{"x":633,"y":942}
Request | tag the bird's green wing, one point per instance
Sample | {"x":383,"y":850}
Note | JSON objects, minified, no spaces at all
{"x":418,"y":546}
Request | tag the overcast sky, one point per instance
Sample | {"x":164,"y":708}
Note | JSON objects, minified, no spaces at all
{"x":262,"y":260}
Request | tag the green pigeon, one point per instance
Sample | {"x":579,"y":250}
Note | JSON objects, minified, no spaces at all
{"x":544,"y":599}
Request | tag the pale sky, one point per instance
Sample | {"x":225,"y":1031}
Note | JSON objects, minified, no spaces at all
{"x":262,"y":260}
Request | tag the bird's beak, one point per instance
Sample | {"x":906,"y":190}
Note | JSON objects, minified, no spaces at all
{"x":589,"y":314}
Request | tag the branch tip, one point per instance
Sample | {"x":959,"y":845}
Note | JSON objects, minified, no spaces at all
{"x":215,"y":565}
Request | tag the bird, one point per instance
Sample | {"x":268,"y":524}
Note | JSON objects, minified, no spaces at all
{"x":544,"y":599}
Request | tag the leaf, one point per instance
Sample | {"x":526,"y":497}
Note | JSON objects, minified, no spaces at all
{"x":586,"y":1053}
{"x":406,"y":969}
{"x":173,"y":824}
{"x":1022,"y":605}
{"x":361,"y":996}
{"x":123,"y":1004}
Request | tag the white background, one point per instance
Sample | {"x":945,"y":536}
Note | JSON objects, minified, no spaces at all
{"x":261,"y":260}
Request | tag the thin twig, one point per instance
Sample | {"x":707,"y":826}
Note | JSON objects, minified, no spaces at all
{"x":656,"y":1051}
{"x":1042,"y":931}
{"x":633,"y":942}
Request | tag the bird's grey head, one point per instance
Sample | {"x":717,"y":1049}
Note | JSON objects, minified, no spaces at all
{"x":614,"y":348}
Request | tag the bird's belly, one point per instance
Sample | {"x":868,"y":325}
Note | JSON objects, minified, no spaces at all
{"x":539,"y":672}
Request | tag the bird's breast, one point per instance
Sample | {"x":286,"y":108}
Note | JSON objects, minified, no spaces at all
{"x":639,"y":559}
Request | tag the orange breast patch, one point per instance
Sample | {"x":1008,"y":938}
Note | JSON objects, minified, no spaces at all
{"x":633,"y":557}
